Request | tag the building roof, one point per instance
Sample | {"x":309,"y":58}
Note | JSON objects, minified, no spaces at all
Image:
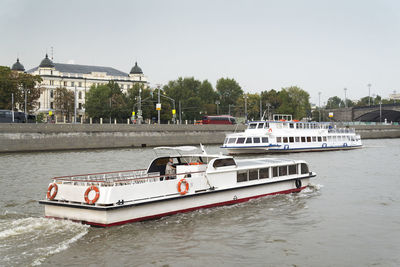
{"x":136,"y":69}
{"x":18,"y":66}
{"x":84,"y":69}
{"x":46,"y":63}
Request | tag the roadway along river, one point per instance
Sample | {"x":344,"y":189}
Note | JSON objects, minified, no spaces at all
{"x":350,"y":217}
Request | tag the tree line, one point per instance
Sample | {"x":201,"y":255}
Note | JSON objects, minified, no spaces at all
{"x":191,"y":99}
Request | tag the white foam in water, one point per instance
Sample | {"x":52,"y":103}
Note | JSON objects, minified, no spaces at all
{"x":52,"y":236}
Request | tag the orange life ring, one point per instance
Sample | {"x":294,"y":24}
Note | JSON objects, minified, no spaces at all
{"x":183,"y":181}
{"x":94,"y":200}
{"x":195,"y":163}
{"x":270,"y":130}
{"x":51,"y":196}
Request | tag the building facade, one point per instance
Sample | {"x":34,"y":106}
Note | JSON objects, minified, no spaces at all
{"x":79,"y":79}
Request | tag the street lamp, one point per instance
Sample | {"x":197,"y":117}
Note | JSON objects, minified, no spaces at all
{"x":245,"y":106}
{"x":369,"y":94}
{"x":217,"y":103}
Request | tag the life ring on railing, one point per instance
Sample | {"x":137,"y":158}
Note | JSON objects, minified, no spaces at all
{"x":51,"y":196}
{"x":298,"y":183}
{"x":183,"y":181}
{"x":96,"y":197}
{"x":270,"y":130}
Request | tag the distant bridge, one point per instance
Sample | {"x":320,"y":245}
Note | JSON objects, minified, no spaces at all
{"x":375,"y":113}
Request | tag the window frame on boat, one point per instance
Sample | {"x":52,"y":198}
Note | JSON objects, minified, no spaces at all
{"x":264,"y":140}
{"x":258,"y":140}
{"x":253,"y":126}
{"x":233,"y":140}
{"x":224,"y":162}
{"x":260,"y":124}
{"x":242,"y":140}
{"x":249,"y":140}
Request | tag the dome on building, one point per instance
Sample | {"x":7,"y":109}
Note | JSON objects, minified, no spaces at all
{"x":18,"y":66}
{"x":46,"y":63}
{"x":136,"y":69}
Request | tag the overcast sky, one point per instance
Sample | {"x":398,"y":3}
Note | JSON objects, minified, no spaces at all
{"x":320,"y":46}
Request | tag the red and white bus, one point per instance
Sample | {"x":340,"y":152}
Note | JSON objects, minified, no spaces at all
{"x":223,"y":119}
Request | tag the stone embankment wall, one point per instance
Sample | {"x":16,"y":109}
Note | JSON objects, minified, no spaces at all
{"x":46,"y":137}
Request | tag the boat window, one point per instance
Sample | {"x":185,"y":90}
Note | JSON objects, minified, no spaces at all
{"x":253,"y":175}
{"x":314,"y":139}
{"x":265,"y":139}
{"x":232,"y":140}
{"x":267,"y":125}
{"x":292,"y":169}
{"x":303,"y":139}
{"x":282,"y":170}
{"x":299,"y":126}
{"x":324,"y":138}
{"x":264,"y":173}
{"x":348,"y":138}
{"x":279,"y":125}
{"x":319,"y":139}
{"x":226,"y":140}
{"x":249,"y":140}
{"x":285,"y":139}
{"x":279,"y":139}
{"x":291,"y":125}
{"x":297,"y":139}
{"x":291,"y":139}
{"x":256,"y":140}
{"x":224,"y":162}
{"x":308,"y":139}
{"x":241,"y":176}
{"x":274,"y":171}
{"x":252,"y":125}
{"x":304,"y":168}
{"x":260,"y":125}
{"x":240,"y":140}
{"x":284,"y":125}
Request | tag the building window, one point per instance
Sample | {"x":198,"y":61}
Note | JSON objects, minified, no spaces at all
{"x":80,"y":95}
{"x":80,"y":106}
{"x":80,"y":84}
{"x":51,"y":82}
{"x":65,"y":83}
{"x":51,"y":93}
{"x":51,"y":105}
{"x":72,"y":84}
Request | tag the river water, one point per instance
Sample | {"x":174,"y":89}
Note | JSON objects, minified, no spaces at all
{"x":349,"y":217}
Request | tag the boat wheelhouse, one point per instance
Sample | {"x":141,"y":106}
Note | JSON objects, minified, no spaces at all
{"x":200,"y":181}
{"x":286,"y":135}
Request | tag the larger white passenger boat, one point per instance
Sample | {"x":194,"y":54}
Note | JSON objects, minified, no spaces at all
{"x":200,"y":181}
{"x":286,"y":135}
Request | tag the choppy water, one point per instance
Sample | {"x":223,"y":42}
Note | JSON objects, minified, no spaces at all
{"x":350,"y":217}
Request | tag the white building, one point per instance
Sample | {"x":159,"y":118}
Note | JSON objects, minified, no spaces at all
{"x":79,"y":78}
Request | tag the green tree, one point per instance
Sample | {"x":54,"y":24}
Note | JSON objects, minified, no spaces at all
{"x":64,"y":101}
{"x":229,"y":92}
{"x":18,"y":83}
{"x":335,"y":102}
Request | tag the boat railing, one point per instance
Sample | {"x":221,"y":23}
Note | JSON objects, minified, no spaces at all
{"x":341,"y":130}
{"x":119,"y":178}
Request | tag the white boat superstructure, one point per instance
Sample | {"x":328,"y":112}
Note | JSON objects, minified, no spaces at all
{"x":200,"y":181}
{"x":290,"y":136}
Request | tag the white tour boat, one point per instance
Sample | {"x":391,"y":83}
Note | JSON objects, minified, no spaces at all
{"x":201,"y":181}
{"x":286,"y":135}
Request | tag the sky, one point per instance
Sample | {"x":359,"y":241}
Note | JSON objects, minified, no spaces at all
{"x":318,"y":45}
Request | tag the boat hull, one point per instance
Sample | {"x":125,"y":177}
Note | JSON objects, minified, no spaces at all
{"x":236,"y":151}
{"x":117,"y":215}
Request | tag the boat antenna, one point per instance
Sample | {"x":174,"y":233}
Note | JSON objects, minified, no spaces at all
{"x":203,"y":149}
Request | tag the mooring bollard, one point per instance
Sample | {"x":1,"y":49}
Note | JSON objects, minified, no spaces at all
{"x":101,"y":120}
{"x":90,"y":120}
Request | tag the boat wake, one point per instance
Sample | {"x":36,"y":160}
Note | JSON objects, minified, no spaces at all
{"x":29,"y":241}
